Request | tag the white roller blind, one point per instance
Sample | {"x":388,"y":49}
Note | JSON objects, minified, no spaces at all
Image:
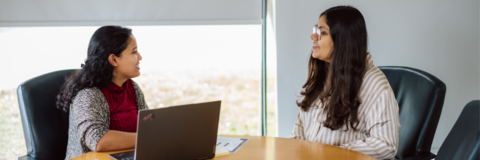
{"x":128,"y":12}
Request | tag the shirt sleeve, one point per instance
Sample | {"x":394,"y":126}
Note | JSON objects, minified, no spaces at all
{"x":297,"y":132}
{"x":383,"y":123}
{"x":90,"y":117}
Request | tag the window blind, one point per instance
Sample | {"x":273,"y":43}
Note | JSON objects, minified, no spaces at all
{"x":18,"y":13}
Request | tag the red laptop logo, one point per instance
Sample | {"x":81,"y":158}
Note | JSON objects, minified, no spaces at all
{"x":150,"y":117}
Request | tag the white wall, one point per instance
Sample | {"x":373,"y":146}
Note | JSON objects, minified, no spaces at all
{"x":438,"y":36}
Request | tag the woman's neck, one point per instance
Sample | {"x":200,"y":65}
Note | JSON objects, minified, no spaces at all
{"x":119,"y":81}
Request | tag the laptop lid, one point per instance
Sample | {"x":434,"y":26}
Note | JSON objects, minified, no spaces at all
{"x":178,"y":132}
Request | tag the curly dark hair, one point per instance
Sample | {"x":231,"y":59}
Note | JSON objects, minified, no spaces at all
{"x":97,"y":70}
{"x":337,"y":83}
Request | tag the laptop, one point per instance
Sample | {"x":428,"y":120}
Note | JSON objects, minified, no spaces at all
{"x":177,"y":132}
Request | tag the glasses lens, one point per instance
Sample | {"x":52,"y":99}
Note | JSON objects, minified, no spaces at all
{"x":316,"y":31}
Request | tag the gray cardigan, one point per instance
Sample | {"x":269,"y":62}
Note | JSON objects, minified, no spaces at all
{"x":89,"y":119}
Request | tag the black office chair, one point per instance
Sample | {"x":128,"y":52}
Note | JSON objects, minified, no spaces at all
{"x":420,"y":97}
{"x":45,"y":127}
{"x":463,"y":141}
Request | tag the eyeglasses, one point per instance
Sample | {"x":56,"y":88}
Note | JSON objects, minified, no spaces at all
{"x":317,"y":31}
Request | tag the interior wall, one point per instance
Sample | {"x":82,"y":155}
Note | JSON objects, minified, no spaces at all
{"x":438,"y":36}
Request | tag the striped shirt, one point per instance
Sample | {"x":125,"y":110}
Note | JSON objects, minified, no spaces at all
{"x":378,"y":128}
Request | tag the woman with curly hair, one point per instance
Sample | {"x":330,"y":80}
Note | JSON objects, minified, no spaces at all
{"x":102,"y":99}
{"x":347,"y":101}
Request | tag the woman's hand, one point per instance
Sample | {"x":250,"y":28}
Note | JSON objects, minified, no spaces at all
{"x":116,"y":140}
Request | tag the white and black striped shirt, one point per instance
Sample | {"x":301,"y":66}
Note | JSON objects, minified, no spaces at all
{"x":378,"y":128}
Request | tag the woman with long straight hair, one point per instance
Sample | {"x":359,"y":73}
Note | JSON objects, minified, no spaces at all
{"x":101,"y":98}
{"x":347,"y":101}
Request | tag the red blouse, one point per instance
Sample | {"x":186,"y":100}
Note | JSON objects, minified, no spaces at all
{"x":123,"y":106}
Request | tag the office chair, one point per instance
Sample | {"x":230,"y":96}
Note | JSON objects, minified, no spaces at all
{"x":420,"y":97}
{"x":44,"y":125}
{"x":463,"y":141}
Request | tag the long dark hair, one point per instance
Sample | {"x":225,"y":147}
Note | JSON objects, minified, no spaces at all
{"x":337,"y":84}
{"x":97,"y":71}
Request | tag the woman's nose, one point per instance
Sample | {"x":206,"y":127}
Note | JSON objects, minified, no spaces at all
{"x":139,"y":56}
{"x":313,"y":37}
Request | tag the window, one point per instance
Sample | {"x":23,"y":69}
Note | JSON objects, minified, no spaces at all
{"x":188,"y":64}
{"x":181,"y":64}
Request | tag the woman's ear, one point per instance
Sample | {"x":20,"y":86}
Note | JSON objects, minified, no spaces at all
{"x":112,"y":59}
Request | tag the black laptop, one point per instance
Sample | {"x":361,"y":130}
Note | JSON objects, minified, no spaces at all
{"x":177,"y":132}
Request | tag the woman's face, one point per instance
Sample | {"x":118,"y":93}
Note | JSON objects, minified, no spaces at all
{"x":322,"y":48}
{"x":129,"y":61}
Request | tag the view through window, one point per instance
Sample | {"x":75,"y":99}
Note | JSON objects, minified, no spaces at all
{"x":181,"y":65}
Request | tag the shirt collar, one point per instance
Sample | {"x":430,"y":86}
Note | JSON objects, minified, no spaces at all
{"x":113,"y":87}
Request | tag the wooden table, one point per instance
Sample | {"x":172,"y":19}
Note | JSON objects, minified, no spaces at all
{"x":269,"y":148}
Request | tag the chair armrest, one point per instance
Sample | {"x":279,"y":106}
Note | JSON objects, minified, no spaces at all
{"x":422,"y":156}
{"x":25,"y":157}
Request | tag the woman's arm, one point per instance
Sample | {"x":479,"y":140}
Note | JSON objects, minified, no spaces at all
{"x":297,"y":132}
{"x":90,"y":113}
{"x":384,"y":126}
{"x":90,"y":117}
{"x":116,"y":140}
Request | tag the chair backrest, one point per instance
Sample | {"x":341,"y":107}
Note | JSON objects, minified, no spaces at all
{"x":420,"y":97}
{"x":463,"y":141}
{"x":45,"y":127}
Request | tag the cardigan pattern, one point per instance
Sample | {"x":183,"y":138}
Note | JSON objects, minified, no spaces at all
{"x":89,"y":119}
